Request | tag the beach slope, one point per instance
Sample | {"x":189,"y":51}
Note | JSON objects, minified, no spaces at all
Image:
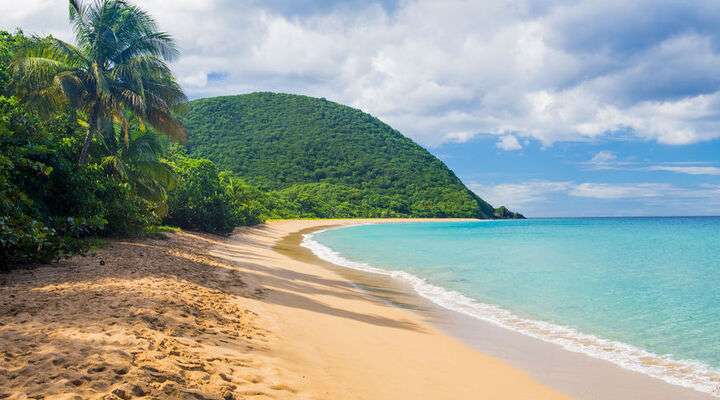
{"x":251,"y":316}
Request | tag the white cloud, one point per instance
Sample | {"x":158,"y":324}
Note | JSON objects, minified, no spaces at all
{"x":541,"y":197}
{"x":518,"y":195}
{"x":508,"y":143}
{"x":690,"y":170}
{"x":447,"y":71}
{"x":614,"y":191}
{"x":46,"y":17}
{"x":580,"y":113}
{"x":603,"y":157}
{"x":603,"y":160}
{"x":607,"y":160}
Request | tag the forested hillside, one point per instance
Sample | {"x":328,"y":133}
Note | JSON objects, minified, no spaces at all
{"x":323,"y":159}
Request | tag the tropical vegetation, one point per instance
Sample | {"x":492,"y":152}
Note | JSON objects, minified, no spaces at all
{"x":84,"y":149}
{"x":324,"y":159}
{"x":209,"y":199}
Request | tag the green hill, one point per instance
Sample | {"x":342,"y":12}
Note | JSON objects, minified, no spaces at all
{"x":325,"y":159}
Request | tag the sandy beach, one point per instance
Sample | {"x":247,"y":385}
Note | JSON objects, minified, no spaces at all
{"x":257,"y":316}
{"x":197,"y":316}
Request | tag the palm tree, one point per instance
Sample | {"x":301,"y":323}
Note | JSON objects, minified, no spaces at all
{"x":118,"y":65}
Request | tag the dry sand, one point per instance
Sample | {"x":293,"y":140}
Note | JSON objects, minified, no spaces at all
{"x":200,"y":317}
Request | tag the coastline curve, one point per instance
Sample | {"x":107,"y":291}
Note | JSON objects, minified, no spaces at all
{"x":688,"y":374}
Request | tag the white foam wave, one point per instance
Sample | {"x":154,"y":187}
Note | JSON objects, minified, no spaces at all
{"x":690,"y":374}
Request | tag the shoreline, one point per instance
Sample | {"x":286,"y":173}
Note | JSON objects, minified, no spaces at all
{"x":522,"y":349}
{"x":258,"y":316}
{"x":348,"y":336}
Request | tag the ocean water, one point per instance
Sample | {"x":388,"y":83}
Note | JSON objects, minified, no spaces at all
{"x":643,"y":293}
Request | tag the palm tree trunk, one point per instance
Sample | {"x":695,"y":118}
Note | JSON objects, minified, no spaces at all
{"x":93,"y":122}
{"x":86,"y":146}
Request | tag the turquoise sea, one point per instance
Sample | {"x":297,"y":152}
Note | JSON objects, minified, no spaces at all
{"x":643,"y":293}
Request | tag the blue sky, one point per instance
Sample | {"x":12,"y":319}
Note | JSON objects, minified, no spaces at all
{"x":603,"y":178}
{"x":554,"y":108}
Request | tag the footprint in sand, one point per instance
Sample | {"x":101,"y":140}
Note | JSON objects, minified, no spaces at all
{"x":283,"y":387}
{"x":253,"y":378}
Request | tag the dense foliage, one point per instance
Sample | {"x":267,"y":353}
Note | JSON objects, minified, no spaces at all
{"x":39,"y":218}
{"x":81,"y":153}
{"x":503,"y":213}
{"x":326,"y":200}
{"x":323,"y":159}
{"x":210,"y":200}
{"x":49,"y":203}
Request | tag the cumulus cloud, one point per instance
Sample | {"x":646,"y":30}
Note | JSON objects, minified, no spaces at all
{"x":508,"y":143}
{"x":447,"y":71}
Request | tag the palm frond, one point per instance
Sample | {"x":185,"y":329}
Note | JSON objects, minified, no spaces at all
{"x":163,"y":86}
{"x":133,"y":101}
{"x":162,"y":119}
{"x":157,"y":44}
{"x":77,"y":13}
{"x":115,"y":166}
{"x":101,"y":16}
{"x":151,"y":177}
{"x":37,"y":63}
{"x":156,"y":171}
{"x":72,"y":55}
{"x":34,"y":70}
{"x":72,"y":87}
{"x":76,"y":10}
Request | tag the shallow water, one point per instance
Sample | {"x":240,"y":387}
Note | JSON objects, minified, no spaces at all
{"x":640,"y":292}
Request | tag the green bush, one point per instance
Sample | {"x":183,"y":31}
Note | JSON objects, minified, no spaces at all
{"x":210,"y":200}
{"x":46,"y":202}
{"x":248,"y":203}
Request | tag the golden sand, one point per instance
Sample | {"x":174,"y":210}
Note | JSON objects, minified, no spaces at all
{"x":201,"y":317}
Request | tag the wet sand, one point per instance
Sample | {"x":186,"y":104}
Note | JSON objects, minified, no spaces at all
{"x":576,"y":374}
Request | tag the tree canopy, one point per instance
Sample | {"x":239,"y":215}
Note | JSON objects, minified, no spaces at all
{"x":333,"y":159}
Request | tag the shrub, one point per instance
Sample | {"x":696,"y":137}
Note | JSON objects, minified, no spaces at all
{"x":46,"y":203}
{"x":248,"y":203}
{"x":199,"y":202}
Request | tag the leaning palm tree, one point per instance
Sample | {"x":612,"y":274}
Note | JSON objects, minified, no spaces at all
{"x":118,"y":65}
